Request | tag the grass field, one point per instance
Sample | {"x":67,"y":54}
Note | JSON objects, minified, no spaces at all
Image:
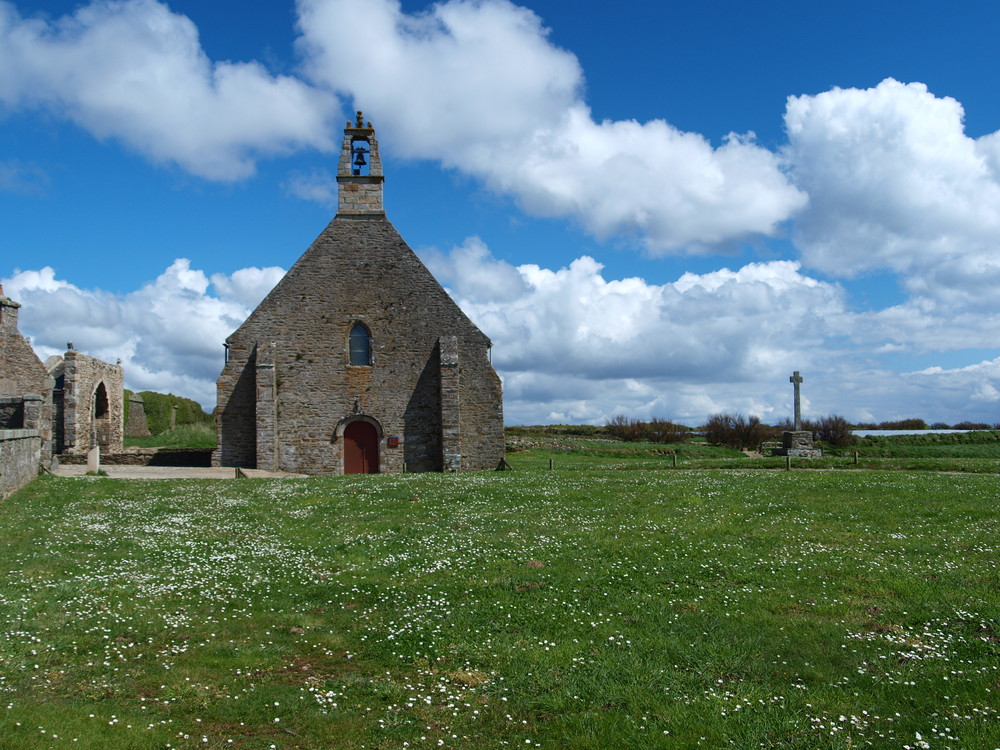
{"x":183,"y":436}
{"x":601,"y":605}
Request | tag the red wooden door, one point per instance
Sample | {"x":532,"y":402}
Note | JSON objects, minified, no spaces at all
{"x":360,"y":449}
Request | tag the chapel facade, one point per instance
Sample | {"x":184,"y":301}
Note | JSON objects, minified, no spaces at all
{"x":358,"y":361}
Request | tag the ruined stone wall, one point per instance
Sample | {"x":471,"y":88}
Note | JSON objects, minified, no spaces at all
{"x":136,"y":425}
{"x":20,"y":369}
{"x":359,"y":270}
{"x":93,"y":404}
{"x":23,"y":375}
{"x":20,"y":457}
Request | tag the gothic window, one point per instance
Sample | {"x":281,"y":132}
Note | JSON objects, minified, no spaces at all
{"x":361,"y":345}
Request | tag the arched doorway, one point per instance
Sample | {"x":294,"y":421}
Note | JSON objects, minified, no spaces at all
{"x":100,"y":414}
{"x":360,"y":448}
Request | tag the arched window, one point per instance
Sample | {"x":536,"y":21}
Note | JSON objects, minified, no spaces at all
{"x":361,"y":345}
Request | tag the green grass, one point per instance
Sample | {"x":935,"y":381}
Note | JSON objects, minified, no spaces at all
{"x":183,"y":436}
{"x":980,"y":444}
{"x":594,"y":606}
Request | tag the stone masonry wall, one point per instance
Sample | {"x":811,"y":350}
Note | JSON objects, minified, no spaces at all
{"x":20,"y":457}
{"x":360,"y":270}
{"x":84,"y":377}
{"x":22,"y":373}
{"x":235,"y":417}
{"x":136,"y":426}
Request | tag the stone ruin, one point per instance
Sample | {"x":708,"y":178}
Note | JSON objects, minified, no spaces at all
{"x":66,"y":406}
{"x":136,"y":424}
{"x":87,"y":403}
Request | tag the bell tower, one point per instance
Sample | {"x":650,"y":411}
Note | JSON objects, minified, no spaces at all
{"x":359,"y":172}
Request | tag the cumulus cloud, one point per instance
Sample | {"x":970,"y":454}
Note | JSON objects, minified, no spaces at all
{"x":318,"y":186}
{"x":479,"y":87}
{"x":895,"y":183}
{"x":168,"y":334}
{"x":134,"y":71}
{"x":574,"y":346}
{"x":570,"y":342}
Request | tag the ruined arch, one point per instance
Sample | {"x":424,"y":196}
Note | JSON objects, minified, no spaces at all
{"x":100,"y":416}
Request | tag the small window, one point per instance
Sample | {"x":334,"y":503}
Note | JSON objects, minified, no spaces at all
{"x":361,"y":345}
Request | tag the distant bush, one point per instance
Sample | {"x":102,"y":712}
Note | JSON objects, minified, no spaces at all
{"x":665,"y":431}
{"x":903,"y":424}
{"x":970,"y":426}
{"x":737,"y":431}
{"x":629,"y":430}
{"x":550,"y":430}
{"x":159,"y":405}
{"x":835,"y":430}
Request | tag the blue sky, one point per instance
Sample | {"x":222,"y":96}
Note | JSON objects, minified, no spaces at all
{"x":660,"y":209}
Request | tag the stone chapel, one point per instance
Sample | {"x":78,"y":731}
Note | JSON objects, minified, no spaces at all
{"x":358,"y":361}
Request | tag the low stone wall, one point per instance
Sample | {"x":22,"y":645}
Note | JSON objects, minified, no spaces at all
{"x":20,"y":457}
{"x":147,"y":457}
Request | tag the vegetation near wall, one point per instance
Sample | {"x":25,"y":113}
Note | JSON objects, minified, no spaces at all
{"x":654,"y":431}
{"x":159,"y":405}
{"x":738,"y":431}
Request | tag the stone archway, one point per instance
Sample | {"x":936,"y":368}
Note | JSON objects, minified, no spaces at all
{"x":100,"y":416}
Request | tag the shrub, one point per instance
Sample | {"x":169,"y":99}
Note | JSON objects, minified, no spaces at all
{"x":835,"y":430}
{"x":903,"y":424}
{"x":664,"y":431}
{"x":736,"y":431}
{"x":629,"y":430}
{"x":971,"y":426}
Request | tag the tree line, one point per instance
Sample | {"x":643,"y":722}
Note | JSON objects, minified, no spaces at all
{"x":747,"y":432}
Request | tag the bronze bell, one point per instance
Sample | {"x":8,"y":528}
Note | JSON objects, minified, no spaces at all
{"x":360,"y":161}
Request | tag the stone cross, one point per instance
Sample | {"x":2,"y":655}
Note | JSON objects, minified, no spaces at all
{"x":796,"y":381}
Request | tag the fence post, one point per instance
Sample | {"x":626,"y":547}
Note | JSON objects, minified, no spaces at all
{"x":788,"y":463}
{"x":551,"y":464}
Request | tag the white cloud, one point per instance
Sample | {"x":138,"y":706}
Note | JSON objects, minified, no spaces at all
{"x":478,"y":86}
{"x":247,"y":285}
{"x":462,"y":73}
{"x":472,"y":273}
{"x":573,"y":346}
{"x":134,"y":71}
{"x":318,"y":186}
{"x":570,"y":342}
{"x":168,"y":333}
{"x":894,"y":183}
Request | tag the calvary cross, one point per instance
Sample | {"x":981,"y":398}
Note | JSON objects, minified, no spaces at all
{"x":796,"y":381}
